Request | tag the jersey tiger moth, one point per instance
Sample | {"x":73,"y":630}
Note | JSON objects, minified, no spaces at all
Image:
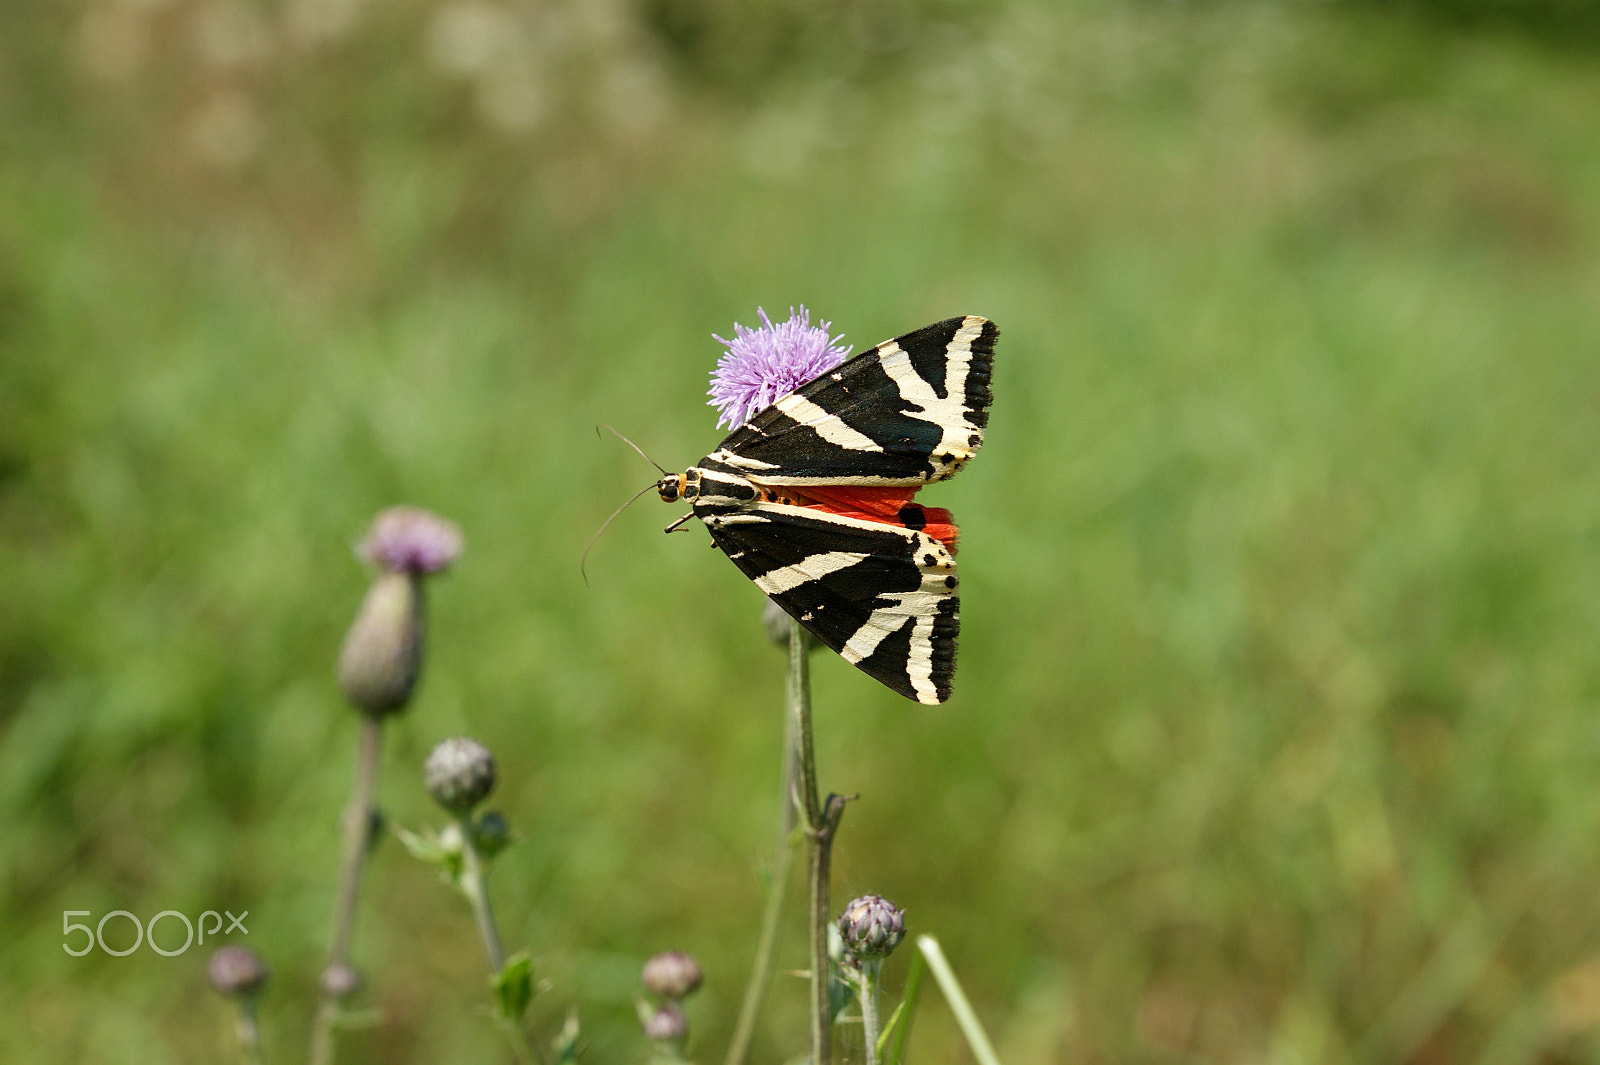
{"x":812,"y":499}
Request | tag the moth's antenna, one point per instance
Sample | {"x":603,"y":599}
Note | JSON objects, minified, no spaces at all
{"x":590,"y":545}
{"x":635,"y":447}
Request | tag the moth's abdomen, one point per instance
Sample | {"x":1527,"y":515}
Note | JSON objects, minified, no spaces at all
{"x":889,"y":505}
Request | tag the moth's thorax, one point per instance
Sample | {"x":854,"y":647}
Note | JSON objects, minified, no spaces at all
{"x":709,"y":488}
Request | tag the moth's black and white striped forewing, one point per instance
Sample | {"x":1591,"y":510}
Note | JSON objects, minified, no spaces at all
{"x":811,"y":498}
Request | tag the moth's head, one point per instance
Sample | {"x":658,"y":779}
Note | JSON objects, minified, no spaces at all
{"x":671,"y":487}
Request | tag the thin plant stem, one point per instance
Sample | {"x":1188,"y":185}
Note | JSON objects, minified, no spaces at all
{"x":475,"y":885}
{"x":248,"y":1032}
{"x":821,"y":822}
{"x":755,"y":992}
{"x":476,"y":888}
{"x":800,"y":710}
{"x":821,"y":965}
{"x":868,"y":996}
{"x":357,"y":830}
{"x":789,"y":813}
{"x":811,"y":808}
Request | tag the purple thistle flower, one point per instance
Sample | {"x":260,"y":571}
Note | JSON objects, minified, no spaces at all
{"x":763,"y":365}
{"x":411,"y":540}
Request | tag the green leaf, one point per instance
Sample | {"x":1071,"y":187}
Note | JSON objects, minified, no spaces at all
{"x":440,"y":850}
{"x":513,"y":986}
{"x":966,"y":1018}
{"x":899,"y":1027}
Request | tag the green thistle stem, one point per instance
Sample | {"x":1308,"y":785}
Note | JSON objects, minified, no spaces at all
{"x":800,"y":707}
{"x":821,"y":822}
{"x":867,"y":995}
{"x":248,"y":1032}
{"x":475,"y":887}
{"x":357,"y":828}
{"x":821,"y":965}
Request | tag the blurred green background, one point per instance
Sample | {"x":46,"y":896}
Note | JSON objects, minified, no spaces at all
{"x":1275,"y":732}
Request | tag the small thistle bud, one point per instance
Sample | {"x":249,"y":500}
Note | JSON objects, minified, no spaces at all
{"x":667,"y":1024}
{"x":411,"y":540}
{"x":671,"y":975}
{"x":872,"y":926}
{"x":459,"y":773}
{"x":491,"y":834}
{"x":340,"y":980}
{"x":236,"y":971}
{"x":777,"y":621}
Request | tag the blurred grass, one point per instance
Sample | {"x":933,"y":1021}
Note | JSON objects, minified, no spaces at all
{"x":1273,"y":737}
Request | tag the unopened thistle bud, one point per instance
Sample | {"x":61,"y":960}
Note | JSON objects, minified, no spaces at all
{"x":777,"y":621}
{"x":382,"y":652}
{"x":671,"y":975}
{"x":459,"y":774}
{"x":667,"y":1024}
{"x":872,"y":926}
{"x":491,"y":833}
{"x":340,"y":980}
{"x":236,"y":971}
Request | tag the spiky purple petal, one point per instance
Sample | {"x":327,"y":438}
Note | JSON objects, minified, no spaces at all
{"x":411,"y":540}
{"x":765,"y":364}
